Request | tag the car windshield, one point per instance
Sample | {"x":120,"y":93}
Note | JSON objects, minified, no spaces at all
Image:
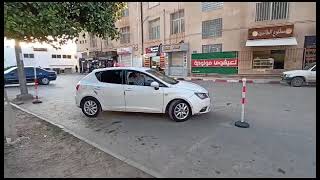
{"x":9,"y":70}
{"x":307,"y":67}
{"x":163,"y":77}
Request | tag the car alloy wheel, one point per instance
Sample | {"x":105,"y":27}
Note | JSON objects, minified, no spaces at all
{"x":181,"y":111}
{"x":90,"y":107}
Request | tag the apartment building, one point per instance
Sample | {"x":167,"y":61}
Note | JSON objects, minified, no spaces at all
{"x":212,"y":37}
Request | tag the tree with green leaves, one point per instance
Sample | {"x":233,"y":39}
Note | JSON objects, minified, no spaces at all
{"x":57,"y":22}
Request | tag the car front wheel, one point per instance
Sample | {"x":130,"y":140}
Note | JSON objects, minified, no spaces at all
{"x":297,"y":82}
{"x":179,"y":111}
{"x":90,"y":107}
{"x":45,"y":81}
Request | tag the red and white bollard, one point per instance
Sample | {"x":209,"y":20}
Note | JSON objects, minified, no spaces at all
{"x":242,"y":123}
{"x":36,"y":83}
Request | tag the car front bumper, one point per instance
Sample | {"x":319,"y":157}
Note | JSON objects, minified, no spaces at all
{"x":285,"y":80}
{"x":200,"y":106}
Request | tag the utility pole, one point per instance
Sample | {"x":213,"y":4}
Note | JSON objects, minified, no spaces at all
{"x":21,"y":76}
{"x":141,"y":19}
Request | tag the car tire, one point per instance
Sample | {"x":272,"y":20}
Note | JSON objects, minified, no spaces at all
{"x":90,"y":107}
{"x":174,"y":111}
{"x":44,"y":81}
{"x":297,"y":81}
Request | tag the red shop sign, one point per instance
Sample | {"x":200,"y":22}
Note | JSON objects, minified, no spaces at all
{"x":215,"y":63}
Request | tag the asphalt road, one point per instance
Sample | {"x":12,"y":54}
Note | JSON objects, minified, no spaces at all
{"x":281,"y":140}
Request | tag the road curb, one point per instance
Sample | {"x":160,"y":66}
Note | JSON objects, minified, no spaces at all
{"x":120,"y":157}
{"x":254,"y":81}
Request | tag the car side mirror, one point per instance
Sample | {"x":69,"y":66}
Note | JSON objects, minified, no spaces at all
{"x":155,"y":85}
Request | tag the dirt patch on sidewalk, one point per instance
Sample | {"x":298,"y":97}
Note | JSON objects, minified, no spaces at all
{"x":48,"y":151}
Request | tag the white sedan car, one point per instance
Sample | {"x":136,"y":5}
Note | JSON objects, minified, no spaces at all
{"x":111,"y":89}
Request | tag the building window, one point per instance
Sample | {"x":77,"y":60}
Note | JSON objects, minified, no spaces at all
{"x":125,"y":12}
{"x":211,"y":48}
{"x":28,"y":55}
{"x":153,"y":4}
{"x":58,"y":56}
{"x":93,"y":41}
{"x":212,"y":28}
{"x":177,"y":22}
{"x":269,"y":59}
{"x":68,"y":56}
{"x":154,"y":29}
{"x":125,"y":35}
{"x":266,"y":11}
{"x":64,"y":56}
{"x":210,"y":6}
{"x":54,"y":56}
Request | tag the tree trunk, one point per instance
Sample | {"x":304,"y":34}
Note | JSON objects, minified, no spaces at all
{"x":21,"y":75}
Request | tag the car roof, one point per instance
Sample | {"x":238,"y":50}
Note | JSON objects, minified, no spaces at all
{"x":123,"y":68}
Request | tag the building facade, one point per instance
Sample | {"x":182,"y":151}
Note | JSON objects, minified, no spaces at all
{"x":187,"y":38}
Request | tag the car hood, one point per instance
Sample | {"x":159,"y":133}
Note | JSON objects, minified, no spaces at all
{"x":190,"y":86}
{"x":294,"y":72}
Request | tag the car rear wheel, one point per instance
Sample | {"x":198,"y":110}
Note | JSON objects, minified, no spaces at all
{"x":179,"y":111}
{"x":297,"y":81}
{"x":45,"y":81}
{"x":90,"y":107}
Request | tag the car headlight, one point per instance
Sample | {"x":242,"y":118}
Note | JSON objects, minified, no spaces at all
{"x":201,"y":95}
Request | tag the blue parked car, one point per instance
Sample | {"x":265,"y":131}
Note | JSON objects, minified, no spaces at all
{"x":44,"y":76}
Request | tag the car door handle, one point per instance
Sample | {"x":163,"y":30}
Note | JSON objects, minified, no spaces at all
{"x":128,"y":89}
{"x":97,"y":88}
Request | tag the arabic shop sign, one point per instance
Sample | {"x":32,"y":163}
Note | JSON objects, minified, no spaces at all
{"x":215,"y":63}
{"x":153,"y":49}
{"x":270,"y":32}
{"x":175,"y":47}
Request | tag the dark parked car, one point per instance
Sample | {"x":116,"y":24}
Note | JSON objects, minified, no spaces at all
{"x":44,"y":76}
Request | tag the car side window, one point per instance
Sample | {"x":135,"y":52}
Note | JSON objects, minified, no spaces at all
{"x":140,"y":79}
{"x":135,"y":78}
{"x":38,"y":70}
{"x":314,"y":68}
{"x":110,"y":76}
{"x":29,"y":71}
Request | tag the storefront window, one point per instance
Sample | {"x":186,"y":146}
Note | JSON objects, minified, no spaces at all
{"x":269,"y":59}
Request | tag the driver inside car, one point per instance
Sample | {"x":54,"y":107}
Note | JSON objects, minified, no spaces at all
{"x":136,"y":79}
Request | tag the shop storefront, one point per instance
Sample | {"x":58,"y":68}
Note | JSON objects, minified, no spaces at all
{"x":152,"y":56}
{"x":309,"y":50}
{"x":125,"y":56}
{"x":97,"y":60}
{"x":176,"y":59}
{"x":273,"y":49}
{"x":215,"y":63}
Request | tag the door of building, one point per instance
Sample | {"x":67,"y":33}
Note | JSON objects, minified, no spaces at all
{"x":125,"y":59}
{"x":176,"y":67}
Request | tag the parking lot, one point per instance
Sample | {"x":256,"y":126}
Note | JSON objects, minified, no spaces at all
{"x":281,"y":140}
